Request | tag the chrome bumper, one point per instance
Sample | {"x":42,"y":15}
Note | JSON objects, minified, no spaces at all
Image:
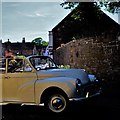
{"x":86,"y":97}
{"x":87,"y":91}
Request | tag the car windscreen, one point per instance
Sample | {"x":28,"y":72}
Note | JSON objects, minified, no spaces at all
{"x":41,"y":63}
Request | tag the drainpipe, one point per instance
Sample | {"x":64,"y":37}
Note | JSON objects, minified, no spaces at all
{"x":119,"y":16}
{"x":50,"y":45}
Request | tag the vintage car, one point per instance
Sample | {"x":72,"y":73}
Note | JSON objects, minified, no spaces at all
{"x":37,"y":80}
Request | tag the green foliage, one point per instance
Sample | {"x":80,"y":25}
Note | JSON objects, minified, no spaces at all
{"x":82,"y":10}
{"x":112,"y":7}
{"x":44,"y":43}
{"x":69,"y":5}
{"x":20,"y":57}
{"x":64,"y":66}
{"x":39,"y":42}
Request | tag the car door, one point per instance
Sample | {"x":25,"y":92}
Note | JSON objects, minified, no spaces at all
{"x":19,"y":84}
{"x":2,"y":74}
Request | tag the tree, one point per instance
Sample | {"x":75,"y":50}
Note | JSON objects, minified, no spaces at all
{"x":80,"y":7}
{"x":39,"y":42}
{"x":44,"y":43}
{"x":85,"y":20}
{"x":112,"y":7}
{"x":82,"y":10}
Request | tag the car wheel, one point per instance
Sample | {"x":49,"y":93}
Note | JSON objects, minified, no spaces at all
{"x":56,"y":103}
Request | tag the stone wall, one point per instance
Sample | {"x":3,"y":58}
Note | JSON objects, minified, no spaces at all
{"x":100,"y":58}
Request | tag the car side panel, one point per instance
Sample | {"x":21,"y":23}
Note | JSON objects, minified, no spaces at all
{"x":64,"y":83}
{"x":26,"y":88}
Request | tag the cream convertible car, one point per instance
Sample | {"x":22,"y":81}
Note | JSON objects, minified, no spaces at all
{"x":37,"y":80}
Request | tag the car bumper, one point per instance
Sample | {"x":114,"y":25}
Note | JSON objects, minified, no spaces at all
{"x":87,"y":91}
{"x":86,"y":97}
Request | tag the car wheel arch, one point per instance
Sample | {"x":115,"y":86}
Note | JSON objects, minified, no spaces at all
{"x":52,"y":90}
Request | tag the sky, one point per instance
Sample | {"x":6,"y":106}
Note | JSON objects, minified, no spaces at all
{"x":30,"y":19}
{"x":114,"y":16}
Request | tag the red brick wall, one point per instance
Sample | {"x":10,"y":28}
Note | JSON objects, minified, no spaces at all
{"x":96,"y":57}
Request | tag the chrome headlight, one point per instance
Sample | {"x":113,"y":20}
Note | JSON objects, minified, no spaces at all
{"x":92,"y":77}
{"x":78,"y":84}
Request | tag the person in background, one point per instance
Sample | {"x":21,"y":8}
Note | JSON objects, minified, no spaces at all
{"x":11,"y":60}
{"x":8,"y":54}
{"x":46,"y":53}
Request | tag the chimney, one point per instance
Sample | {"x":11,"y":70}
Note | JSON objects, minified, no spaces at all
{"x":23,"y":40}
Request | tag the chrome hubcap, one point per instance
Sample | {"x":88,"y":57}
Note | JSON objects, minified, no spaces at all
{"x":57,"y":103}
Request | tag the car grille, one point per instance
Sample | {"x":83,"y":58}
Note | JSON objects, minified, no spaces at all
{"x":88,"y":90}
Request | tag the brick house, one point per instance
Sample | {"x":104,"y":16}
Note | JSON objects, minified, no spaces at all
{"x":23,"y":48}
{"x":95,"y":26}
{"x":92,"y":43}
